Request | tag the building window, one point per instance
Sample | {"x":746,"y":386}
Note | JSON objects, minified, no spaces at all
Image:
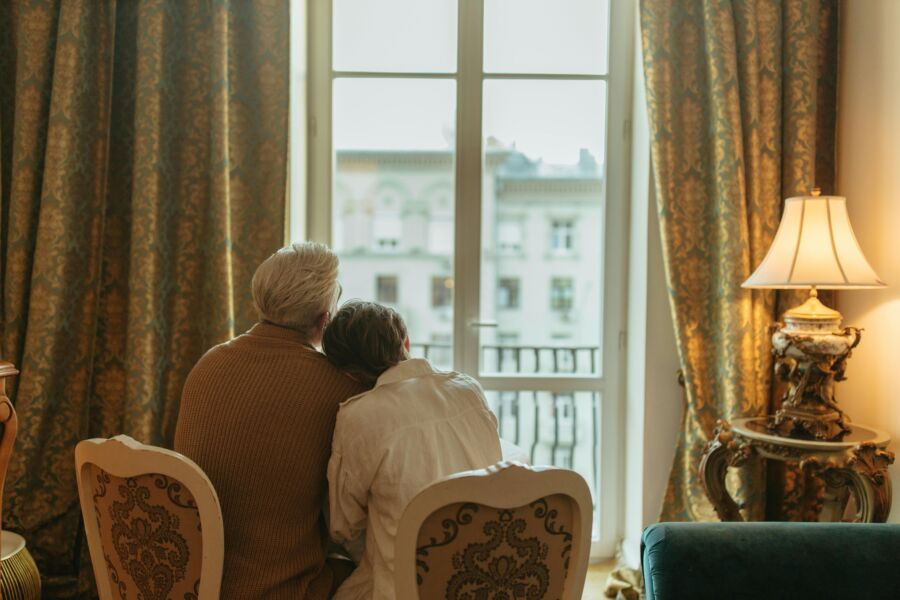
{"x":509,"y":236}
{"x":441,"y":292}
{"x":386,"y":289}
{"x":387,"y":230}
{"x":562,"y":293}
{"x":508,"y":292}
{"x":562,"y":236}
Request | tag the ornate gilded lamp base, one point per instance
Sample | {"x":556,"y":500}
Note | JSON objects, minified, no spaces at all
{"x":855,"y":467}
{"x":789,"y":421}
{"x":811,"y":351}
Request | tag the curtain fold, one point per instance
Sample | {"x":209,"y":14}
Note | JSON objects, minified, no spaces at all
{"x":741,"y":96}
{"x":143,"y":149}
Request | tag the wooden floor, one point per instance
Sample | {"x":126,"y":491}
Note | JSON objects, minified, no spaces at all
{"x":596,"y":579}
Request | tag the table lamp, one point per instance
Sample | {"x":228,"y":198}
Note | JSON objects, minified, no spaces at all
{"x":814,"y":248}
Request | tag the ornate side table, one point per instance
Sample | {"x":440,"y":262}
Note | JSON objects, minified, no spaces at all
{"x":857,"y":465}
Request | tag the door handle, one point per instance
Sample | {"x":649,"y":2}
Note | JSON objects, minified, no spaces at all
{"x":483,"y":324}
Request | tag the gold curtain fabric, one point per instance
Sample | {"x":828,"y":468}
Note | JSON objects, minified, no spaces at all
{"x":741,"y":97}
{"x":143,"y":148}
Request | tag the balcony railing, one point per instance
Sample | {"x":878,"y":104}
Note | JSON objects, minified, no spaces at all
{"x":515,"y":359}
{"x":554,"y":428}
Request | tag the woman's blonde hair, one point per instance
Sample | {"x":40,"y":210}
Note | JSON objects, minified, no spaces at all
{"x":296,"y":285}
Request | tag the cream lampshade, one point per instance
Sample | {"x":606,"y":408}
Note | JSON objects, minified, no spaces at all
{"x":814,"y":247}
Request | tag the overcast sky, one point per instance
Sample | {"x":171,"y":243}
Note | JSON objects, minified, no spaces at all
{"x":544,"y":119}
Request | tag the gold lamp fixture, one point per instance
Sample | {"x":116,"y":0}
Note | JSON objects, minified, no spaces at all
{"x":814,"y":248}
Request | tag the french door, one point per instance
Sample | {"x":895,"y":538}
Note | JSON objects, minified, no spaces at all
{"x":467,"y":161}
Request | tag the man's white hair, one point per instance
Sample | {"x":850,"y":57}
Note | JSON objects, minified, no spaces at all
{"x":296,"y":285}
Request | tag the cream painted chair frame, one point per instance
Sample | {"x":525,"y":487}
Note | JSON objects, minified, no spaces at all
{"x":10,"y":426}
{"x":123,"y":456}
{"x":503,"y":485}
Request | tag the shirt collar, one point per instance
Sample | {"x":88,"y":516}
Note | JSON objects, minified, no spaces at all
{"x":270,"y":330}
{"x":407,"y":369}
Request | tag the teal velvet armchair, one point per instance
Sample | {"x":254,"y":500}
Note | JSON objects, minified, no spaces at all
{"x":771,"y":561}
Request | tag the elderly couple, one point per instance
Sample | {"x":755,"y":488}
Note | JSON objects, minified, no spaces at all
{"x":303,"y":446}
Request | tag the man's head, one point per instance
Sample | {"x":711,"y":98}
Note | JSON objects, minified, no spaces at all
{"x":297,"y":287}
{"x":366,"y":339}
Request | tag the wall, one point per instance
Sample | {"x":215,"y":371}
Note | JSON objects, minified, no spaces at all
{"x":869,"y":176}
{"x":653,"y":397}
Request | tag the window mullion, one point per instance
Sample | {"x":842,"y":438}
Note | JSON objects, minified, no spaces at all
{"x":319,"y":165}
{"x":467,"y":260}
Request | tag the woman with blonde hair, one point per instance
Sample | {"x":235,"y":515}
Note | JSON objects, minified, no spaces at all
{"x":257,"y":415}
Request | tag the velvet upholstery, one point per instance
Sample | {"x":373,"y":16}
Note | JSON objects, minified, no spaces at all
{"x":771,"y":560}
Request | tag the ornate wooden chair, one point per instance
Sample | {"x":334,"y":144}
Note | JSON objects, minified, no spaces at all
{"x":19,"y":574}
{"x":9,"y":425}
{"x":153,"y":521}
{"x":508,"y":531}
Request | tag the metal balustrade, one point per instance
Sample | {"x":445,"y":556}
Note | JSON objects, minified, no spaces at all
{"x":555,"y":428}
{"x":515,"y":359}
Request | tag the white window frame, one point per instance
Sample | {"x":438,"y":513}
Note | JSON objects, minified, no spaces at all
{"x":565,"y":233}
{"x":313,"y":220}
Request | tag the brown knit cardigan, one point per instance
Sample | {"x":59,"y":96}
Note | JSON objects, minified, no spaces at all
{"x":257,"y":415}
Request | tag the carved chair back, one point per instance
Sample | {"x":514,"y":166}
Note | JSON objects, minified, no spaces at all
{"x":153,"y":521}
{"x":508,"y":531}
{"x":9,"y":425}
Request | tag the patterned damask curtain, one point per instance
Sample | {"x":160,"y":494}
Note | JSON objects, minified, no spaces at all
{"x":741,"y":96}
{"x":143,"y":150}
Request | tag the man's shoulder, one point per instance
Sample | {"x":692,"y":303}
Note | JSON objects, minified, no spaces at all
{"x":251,"y":354}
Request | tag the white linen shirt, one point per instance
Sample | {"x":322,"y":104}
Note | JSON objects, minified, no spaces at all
{"x":417,"y":425}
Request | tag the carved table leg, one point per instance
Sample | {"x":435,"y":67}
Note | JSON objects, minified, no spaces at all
{"x":721,"y":453}
{"x":866,"y":475}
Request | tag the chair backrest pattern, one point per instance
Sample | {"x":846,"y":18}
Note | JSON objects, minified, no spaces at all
{"x":143,"y":507}
{"x":151,"y":535}
{"x":467,"y":550}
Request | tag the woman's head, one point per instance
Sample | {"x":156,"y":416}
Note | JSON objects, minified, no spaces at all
{"x":366,"y":339}
{"x":297,"y":287}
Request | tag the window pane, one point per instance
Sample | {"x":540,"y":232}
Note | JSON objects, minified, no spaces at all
{"x":392,"y":224}
{"x":560,"y":429}
{"x":395,"y":35}
{"x":508,"y":292}
{"x":542,"y":226}
{"x":441,"y":291}
{"x":543,"y":36}
{"x":386,"y":289}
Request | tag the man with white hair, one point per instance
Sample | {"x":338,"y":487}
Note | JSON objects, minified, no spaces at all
{"x":257,"y":415}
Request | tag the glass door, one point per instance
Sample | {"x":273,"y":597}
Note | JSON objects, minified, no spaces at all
{"x":464,"y":148}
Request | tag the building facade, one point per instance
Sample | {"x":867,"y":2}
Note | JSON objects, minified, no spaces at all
{"x":541,"y":276}
{"x":542,"y":250}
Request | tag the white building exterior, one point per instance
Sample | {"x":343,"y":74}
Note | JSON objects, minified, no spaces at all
{"x":393,"y":228}
{"x":542,"y":252}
